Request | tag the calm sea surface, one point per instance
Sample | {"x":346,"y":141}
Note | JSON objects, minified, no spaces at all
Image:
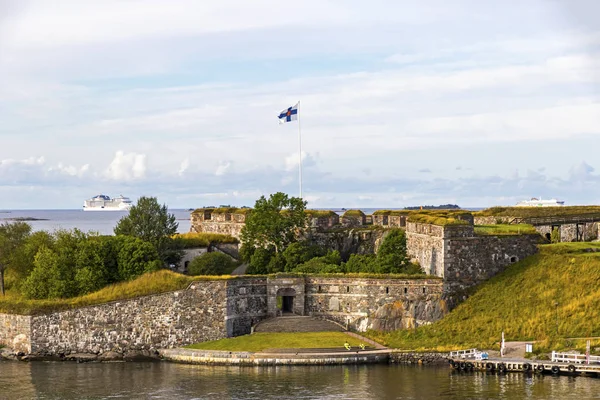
{"x":55,"y":380}
{"x":102,"y":222}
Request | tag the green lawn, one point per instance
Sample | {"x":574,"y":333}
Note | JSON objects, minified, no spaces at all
{"x":262,"y":341}
{"x":546,"y":297}
{"x":504,"y":229}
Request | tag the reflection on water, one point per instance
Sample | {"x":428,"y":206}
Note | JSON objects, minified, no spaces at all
{"x":55,"y":380}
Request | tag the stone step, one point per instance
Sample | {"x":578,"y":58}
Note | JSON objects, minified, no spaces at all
{"x":297,"y":323}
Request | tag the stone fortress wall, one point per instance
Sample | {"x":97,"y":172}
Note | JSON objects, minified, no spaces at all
{"x":454,"y":256}
{"x":452,"y":252}
{"x":211,"y":310}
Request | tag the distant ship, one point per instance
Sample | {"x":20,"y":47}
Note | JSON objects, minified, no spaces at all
{"x":535,"y":202}
{"x":102,"y":202}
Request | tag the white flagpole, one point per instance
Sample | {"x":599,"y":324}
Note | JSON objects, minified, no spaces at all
{"x":299,"y":151}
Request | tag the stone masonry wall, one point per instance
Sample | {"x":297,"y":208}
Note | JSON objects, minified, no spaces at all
{"x":246,"y":304}
{"x":15,"y":332}
{"x":569,"y":232}
{"x":425,"y":244}
{"x":470,"y":261}
{"x":158,"y":321}
{"x":226,"y":228}
{"x":382,"y":304}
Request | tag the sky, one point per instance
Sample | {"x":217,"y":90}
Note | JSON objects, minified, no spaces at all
{"x":402,"y":103}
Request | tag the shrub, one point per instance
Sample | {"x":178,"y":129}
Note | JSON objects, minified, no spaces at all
{"x":260,"y":260}
{"x":555,"y":236}
{"x":299,"y":253}
{"x":318,"y":266}
{"x":361,"y":263}
{"x":136,"y":257}
{"x":213,"y":263}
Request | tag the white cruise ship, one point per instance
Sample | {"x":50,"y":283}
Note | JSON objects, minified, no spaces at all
{"x":102,"y":202}
{"x":535,"y":202}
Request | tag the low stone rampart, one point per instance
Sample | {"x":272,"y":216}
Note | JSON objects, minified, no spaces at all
{"x":410,"y":357}
{"x":380,"y":304}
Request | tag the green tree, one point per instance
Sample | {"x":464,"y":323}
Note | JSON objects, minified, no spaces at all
{"x":44,"y":281}
{"x":391,"y":256}
{"x":151,"y":222}
{"x":300,"y":252}
{"x":260,"y":260}
{"x":91,"y":267}
{"x":136,"y":257}
{"x":274,"y":222}
{"x":361,"y":263}
{"x":12,"y":237}
{"x":213,"y":263}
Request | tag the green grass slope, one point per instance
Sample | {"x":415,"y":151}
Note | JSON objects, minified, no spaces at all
{"x":553,"y":294}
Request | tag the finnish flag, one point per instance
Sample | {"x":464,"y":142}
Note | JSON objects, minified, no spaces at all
{"x":289,"y":114}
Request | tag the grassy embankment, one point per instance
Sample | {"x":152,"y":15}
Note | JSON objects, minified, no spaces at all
{"x":154,"y":282}
{"x":525,"y":212}
{"x":263,"y":341}
{"x":547,"y":297}
{"x":504,"y":229}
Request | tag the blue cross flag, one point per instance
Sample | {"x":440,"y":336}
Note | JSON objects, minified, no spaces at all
{"x":289,"y":114}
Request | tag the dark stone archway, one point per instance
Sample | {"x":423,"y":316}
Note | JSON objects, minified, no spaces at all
{"x":285,"y":300}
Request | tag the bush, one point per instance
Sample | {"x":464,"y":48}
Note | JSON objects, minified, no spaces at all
{"x":213,"y":263}
{"x":361,"y":263}
{"x":136,"y":257}
{"x":300,"y":252}
{"x":260,"y":260}
{"x":555,"y":236}
{"x":392,"y":257}
{"x":318,"y":266}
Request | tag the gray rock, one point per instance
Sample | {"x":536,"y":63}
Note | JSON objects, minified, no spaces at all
{"x":110,"y":356}
{"x":81,"y":357}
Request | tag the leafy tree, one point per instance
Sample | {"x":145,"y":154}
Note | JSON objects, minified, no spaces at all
{"x":274,"y":222}
{"x":300,"y":252}
{"x":136,"y":257}
{"x":149,"y":221}
{"x":44,"y":281}
{"x":91,"y":267}
{"x":318,"y":265}
{"x":246,"y":252}
{"x":260,"y":260}
{"x":213,"y":263}
{"x":361,"y":263}
{"x":12,"y":237}
{"x":391,"y":256}
{"x":276,"y":264}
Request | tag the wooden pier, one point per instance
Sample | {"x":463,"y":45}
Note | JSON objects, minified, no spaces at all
{"x":560,"y":364}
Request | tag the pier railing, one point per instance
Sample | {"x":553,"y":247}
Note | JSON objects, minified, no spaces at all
{"x":473,"y":354}
{"x":574,"y":358}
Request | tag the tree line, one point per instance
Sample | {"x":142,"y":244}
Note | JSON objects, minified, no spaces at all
{"x":66,"y":263}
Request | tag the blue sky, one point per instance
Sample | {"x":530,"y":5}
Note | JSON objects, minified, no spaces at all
{"x":402,"y":102}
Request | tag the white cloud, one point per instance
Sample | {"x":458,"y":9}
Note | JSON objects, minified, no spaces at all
{"x":185,"y":164}
{"x":380,"y":87}
{"x":291,"y":161}
{"x":126,"y":167}
{"x":223,"y":168}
